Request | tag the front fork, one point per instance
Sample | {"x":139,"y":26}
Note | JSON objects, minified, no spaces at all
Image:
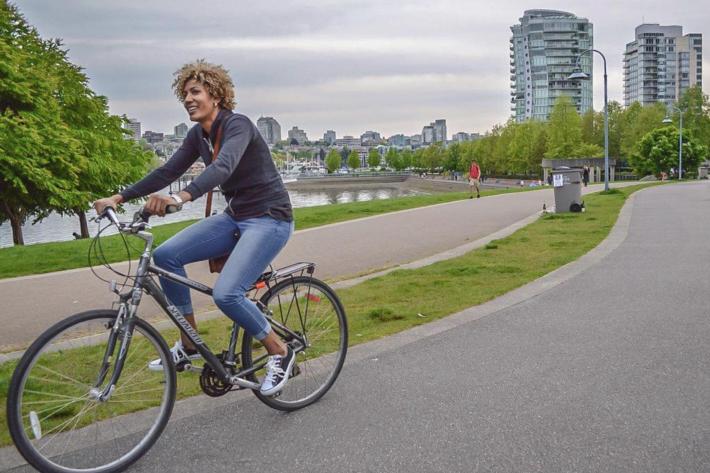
{"x":122,"y":329}
{"x":120,"y":337}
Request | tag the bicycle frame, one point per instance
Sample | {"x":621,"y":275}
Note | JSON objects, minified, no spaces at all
{"x":131,"y":299}
{"x":184,"y":326}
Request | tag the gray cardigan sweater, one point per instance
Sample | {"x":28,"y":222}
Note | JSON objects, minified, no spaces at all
{"x":243,"y":169}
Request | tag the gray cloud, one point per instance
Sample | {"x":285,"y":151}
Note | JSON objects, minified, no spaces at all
{"x":318,"y":64}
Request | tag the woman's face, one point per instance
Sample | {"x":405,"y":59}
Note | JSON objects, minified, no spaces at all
{"x":200,"y":105}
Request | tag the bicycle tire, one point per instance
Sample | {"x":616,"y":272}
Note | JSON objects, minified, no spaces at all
{"x":51,"y":348}
{"x":325,"y":361}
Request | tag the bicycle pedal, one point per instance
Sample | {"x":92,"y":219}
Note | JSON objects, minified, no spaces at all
{"x":180,"y":367}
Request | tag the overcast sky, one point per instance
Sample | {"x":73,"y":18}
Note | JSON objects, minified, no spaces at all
{"x":350,"y":66}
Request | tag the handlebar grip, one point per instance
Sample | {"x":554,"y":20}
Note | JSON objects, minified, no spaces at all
{"x":171,"y":209}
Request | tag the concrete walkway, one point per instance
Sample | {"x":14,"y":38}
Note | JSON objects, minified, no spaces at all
{"x":341,"y":251}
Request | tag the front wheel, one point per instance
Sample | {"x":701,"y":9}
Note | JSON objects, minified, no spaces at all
{"x":310,"y":309}
{"x":56,"y":418}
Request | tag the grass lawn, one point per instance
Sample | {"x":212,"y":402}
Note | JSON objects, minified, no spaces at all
{"x":391,"y":303}
{"x":48,"y":257}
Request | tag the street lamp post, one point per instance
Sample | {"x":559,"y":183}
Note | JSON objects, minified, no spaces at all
{"x":680,"y":139}
{"x":578,"y":74}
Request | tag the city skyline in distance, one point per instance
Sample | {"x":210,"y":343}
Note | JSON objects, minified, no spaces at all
{"x":319,"y":65}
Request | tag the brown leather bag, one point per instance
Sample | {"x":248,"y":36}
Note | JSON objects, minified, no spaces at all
{"x":217,"y":263}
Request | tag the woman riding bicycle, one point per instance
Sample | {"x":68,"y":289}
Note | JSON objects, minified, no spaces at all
{"x":254,"y":227}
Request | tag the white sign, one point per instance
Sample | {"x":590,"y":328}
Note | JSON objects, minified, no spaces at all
{"x":558,"y":180}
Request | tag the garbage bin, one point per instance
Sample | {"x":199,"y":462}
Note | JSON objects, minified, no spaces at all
{"x":568,"y":189}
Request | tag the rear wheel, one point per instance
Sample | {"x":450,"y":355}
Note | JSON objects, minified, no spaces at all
{"x":311,"y":309}
{"x":55,"y":415}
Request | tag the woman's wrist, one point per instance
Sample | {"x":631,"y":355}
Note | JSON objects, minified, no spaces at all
{"x":184,"y":196}
{"x":117,"y":198}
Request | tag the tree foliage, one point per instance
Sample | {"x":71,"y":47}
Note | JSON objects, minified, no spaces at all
{"x":354,"y":160}
{"x":373,"y":158}
{"x":658,"y":151}
{"x":394,"y":159}
{"x":59,"y":147}
{"x":333,"y":161}
{"x":696,"y":115}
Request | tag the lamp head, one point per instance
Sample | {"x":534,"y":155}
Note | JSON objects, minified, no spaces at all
{"x":667,"y":120}
{"x":578,"y":74}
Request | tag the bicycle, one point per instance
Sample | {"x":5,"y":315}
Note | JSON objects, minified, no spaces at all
{"x":78,"y":382}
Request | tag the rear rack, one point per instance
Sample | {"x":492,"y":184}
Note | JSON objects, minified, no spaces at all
{"x":290,"y":270}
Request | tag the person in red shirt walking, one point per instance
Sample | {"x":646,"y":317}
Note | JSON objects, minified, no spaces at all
{"x":474,"y":179}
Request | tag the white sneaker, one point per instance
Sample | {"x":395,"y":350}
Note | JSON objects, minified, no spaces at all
{"x":181,"y":357}
{"x":278,"y":369}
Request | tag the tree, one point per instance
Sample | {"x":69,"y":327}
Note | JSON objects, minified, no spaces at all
{"x":354,"y":160}
{"x":39,"y":160}
{"x":527,"y":148}
{"x":696,"y":116}
{"x":452,"y":158}
{"x":406,"y":156}
{"x":658,"y":152}
{"x":394,"y":159}
{"x":279,"y":158}
{"x":564,"y":130}
{"x":333,"y":161}
{"x":373,"y":158}
{"x":637,"y":121}
{"x":592,"y":127}
{"x":432,"y":157}
{"x":59,"y":147}
{"x":616,"y":120}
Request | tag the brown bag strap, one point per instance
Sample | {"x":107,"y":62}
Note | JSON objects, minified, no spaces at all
{"x":215,"y":152}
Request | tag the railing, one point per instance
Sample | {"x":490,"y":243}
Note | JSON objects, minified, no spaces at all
{"x":624,"y":176}
{"x":362,"y":174}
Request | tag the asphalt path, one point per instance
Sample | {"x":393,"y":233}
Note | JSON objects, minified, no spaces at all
{"x":605,"y":370}
{"x":30,"y":304}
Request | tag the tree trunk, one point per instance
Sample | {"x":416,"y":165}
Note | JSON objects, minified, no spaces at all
{"x":15,"y":216}
{"x":82,"y":222}
{"x":17,"y":237}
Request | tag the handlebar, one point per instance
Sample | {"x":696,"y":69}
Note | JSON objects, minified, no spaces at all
{"x":141,"y":217}
{"x":144,"y":215}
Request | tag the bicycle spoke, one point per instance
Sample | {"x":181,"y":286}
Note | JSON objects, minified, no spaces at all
{"x":49,"y":394}
{"x":56,"y":409}
{"x":62,"y":375}
{"x":60,"y":426}
{"x":114,"y":395}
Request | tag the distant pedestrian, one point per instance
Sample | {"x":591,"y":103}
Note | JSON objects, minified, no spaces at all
{"x":549,"y":179}
{"x":585,"y":176}
{"x":474,"y":176}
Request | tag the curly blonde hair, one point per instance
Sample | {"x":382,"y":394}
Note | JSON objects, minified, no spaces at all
{"x":213,"y":77}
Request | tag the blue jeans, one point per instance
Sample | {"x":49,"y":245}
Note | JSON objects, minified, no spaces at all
{"x":260,"y":240}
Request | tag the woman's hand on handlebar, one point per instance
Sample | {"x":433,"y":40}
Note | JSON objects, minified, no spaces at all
{"x":113,"y":201}
{"x":157,"y":203}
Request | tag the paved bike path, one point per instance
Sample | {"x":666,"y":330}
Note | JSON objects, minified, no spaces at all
{"x":341,"y":251}
{"x":30,"y":304}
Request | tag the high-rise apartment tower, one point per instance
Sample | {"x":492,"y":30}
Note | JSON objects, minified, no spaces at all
{"x":270,"y":129}
{"x":661,"y":64}
{"x":543,"y":53}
